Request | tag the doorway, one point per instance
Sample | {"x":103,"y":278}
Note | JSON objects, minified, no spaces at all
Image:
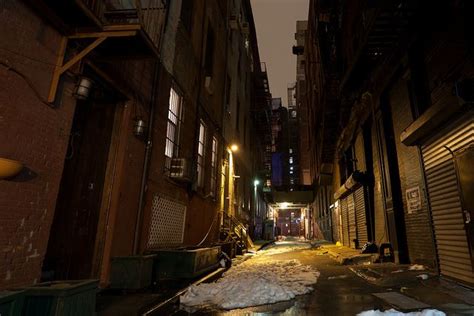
{"x":73,"y":233}
{"x":391,"y":188}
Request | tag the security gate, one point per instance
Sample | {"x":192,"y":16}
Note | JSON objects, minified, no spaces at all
{"x":444,"y":196}
{"x":351,"y":221}
{"x":361,"y":217}
{"x":345,"y":230}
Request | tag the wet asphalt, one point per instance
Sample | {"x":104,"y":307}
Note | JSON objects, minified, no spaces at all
{"x":338,"y":291}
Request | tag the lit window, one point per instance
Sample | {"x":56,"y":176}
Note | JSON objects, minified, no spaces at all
{"x":291,"y":172}
{"x":291,"y":168}
{"x":201,"y":154}
{"x":291,"y":160}
{"x":290,"y":151}
{"x":174,"y":122}
{"x":214,"y":166}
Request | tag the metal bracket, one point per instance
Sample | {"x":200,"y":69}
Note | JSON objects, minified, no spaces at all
{"x":62,"y":67}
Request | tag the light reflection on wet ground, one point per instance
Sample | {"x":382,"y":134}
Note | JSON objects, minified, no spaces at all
{"x":337,"y":295}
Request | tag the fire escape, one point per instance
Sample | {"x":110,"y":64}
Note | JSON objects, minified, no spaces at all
{"x":262,"y":113}
{"x":110,"y":28}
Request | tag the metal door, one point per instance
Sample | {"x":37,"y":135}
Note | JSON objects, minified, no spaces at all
{"x":351,"y":221}
{"x":361,"y":218}
{"x":345,"y":222}
{"x":445,"y":199}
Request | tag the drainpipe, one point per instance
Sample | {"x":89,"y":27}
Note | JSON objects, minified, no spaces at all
{"x":146,"y":163}
{"x":149,"y":143}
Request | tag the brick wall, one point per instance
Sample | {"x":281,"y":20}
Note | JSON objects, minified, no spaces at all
{"x":32,"y":133}
{"x":418,"y":224}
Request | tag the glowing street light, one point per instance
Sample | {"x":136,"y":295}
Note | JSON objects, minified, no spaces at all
{"x":234,"y":148}
{"x":256,"y":183}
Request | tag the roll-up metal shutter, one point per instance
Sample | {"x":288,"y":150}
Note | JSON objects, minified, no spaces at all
{"x":345,"y":224}
{"x":352,"y":220}
{"x":361,"y":219}
{"x":336,"y":223}
{"x":445,"y":201}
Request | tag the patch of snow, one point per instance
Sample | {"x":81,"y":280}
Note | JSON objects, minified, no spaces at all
{"x":422,"y":276}
{"x":252,"y":283}
{"x":392,"y":312}
{"x":416,"y":267}
{"x":282,"y":247}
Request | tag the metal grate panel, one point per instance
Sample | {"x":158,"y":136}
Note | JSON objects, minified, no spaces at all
{"x":361,"y":216}
{"x":451,"y":240}
{"x":345,"y":224}
{"x":167,"y":223}
{"x":351,"y":220}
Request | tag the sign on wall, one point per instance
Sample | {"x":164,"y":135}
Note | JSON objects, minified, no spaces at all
{"x":413,"y":199}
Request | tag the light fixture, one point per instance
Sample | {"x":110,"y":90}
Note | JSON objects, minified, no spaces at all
{"x":234,"y":148}
{"x":255,"y":183}
{"x":9,"y":168}
{"x":284,"y":205}
{"x":83,"y":88}
{"x":139,"y":127}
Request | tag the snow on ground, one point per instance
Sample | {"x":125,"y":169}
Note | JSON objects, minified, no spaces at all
{"x":417,"y":267}
{"x":392,"y":312}
{"x":284,"y":246}
{"x":254,"y":282}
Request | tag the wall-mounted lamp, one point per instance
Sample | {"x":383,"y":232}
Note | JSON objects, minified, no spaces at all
{"x":256,"y":183}
{"x":9,"y":168}
{"x":83,"y":88}
{"x":234,"y":148}
{"x":139,"y":127}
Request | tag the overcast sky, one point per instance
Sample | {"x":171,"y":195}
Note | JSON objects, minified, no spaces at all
{"x":275,"y":21}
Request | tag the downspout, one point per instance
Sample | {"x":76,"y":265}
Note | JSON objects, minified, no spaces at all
{"x":146,"y":163}
{"x":149,"y":141}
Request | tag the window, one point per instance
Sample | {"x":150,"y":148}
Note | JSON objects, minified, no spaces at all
{"x":290,"y":151}
{"x":214,"y":167}
{"x":291,"y":160}
{"x":174,"y":122}
{"x":209,"y":61}
{"x":187,"y":14}
{"x":201,"y":155}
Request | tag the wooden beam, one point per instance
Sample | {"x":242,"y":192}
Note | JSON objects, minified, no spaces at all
{"x":103,"y":34}
{"x":57,"y":70}
{"x":83,"y":53}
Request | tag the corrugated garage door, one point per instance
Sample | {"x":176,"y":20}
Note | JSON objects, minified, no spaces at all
{"x":345,"y":231}
{"x":450,"y":233}
{"x":352,"y":220}
{"x":361,"y":216}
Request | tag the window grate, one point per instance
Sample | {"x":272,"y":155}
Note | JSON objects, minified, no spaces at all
{"x":167,"y":223}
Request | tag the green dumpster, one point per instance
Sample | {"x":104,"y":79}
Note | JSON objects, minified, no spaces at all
{"x":131,"y":272}
{"x":58,"y":298}
{"x":11,"y":303}
{"x":185,"y":263}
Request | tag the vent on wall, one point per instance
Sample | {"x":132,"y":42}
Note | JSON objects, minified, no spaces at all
{"x":167,"y":223}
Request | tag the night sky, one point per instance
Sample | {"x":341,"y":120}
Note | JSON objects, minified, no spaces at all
{"x":276,"y":26}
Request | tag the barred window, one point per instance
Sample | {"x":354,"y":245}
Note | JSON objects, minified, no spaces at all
{"x":201,"y":154}
{"x":214,"y":167}
{"x":173,"y":126}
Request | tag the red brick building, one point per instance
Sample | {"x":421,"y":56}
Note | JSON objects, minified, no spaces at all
{"x":79,"y":82}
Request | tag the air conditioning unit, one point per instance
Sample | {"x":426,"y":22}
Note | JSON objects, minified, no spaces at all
{"x":234,"y":22}
{"x":180,"y":170}
{"x":245,"y":28}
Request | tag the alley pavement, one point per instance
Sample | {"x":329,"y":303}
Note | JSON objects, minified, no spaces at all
{"x":352,"y":289}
